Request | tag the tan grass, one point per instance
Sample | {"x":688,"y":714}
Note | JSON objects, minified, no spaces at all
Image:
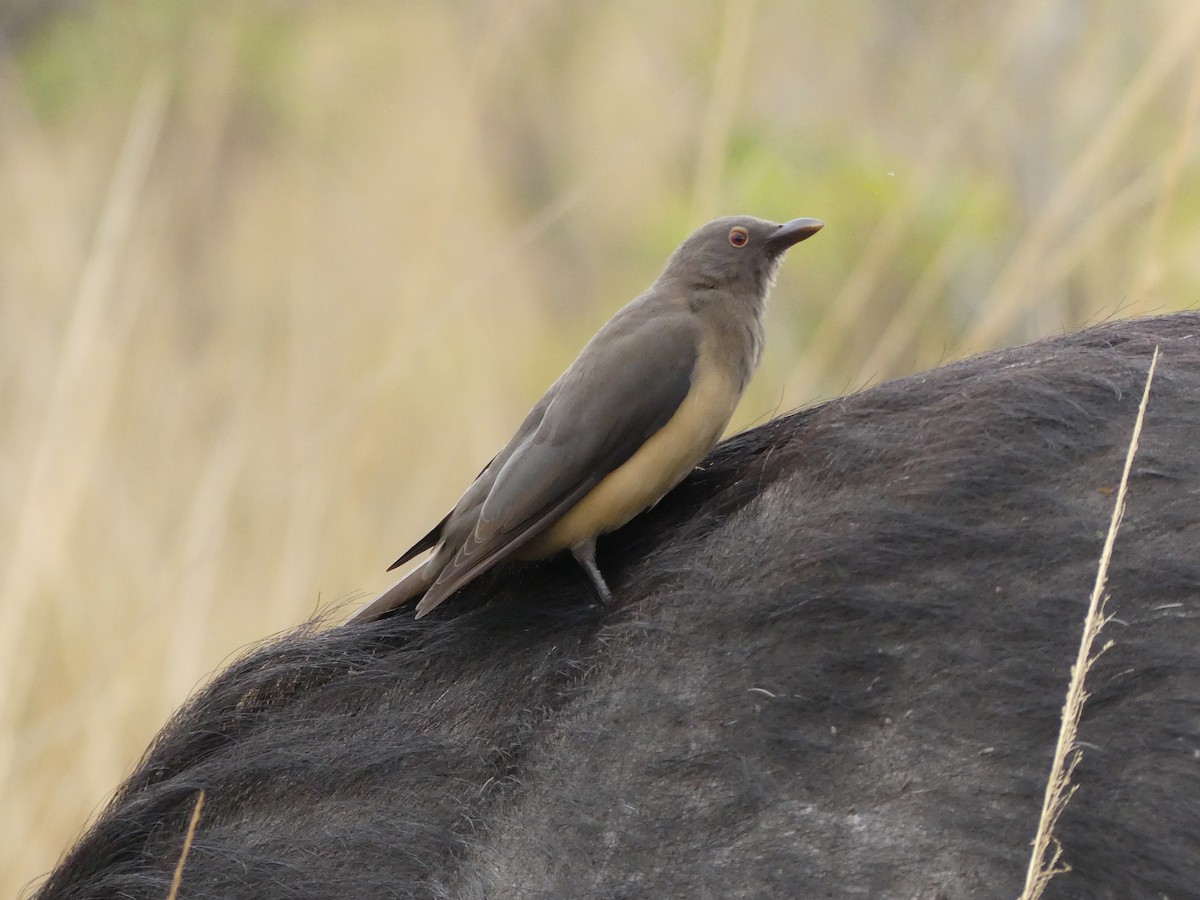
{"x":729,"y":76}
{"x":258,"y":327}
{"x":863,"y":280}
{"x":1152,"y":272}
{"x":64,"y":452}
{"x":1046,"y":859}
{"x":1018,"y":287}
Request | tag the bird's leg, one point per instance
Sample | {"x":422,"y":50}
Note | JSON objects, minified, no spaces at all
{"x":585,"y":555}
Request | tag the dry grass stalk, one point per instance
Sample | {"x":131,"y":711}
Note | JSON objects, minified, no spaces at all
{"x":1046,"y":859}
{"x":177,"y":879}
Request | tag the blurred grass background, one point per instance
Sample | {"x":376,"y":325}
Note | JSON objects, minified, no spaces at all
{"x":276,"y":279}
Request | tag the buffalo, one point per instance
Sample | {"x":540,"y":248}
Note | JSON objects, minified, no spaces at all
{"x":834,"y":666}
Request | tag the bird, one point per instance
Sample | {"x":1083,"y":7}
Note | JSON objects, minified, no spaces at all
{"x":644,"y":402}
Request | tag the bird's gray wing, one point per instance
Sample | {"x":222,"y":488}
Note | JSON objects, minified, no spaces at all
{"x":625,"y":386}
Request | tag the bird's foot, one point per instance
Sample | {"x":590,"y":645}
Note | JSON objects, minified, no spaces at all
{"x":585,"y":555}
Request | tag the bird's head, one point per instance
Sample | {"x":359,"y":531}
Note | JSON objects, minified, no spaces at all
{"x":738,"y":253}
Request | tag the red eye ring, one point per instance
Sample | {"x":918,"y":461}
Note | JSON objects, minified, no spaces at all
{"x":739,"y":236}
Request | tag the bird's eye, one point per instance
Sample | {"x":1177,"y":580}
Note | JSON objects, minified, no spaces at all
{"x":739,"y":236}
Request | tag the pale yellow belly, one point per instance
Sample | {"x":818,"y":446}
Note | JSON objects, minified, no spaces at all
{"x":660,"y":464}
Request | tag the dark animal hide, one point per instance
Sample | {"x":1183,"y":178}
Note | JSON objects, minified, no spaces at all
{"x":834,"y":668}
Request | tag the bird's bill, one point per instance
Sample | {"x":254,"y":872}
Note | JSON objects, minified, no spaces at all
{"x":793,"y":232}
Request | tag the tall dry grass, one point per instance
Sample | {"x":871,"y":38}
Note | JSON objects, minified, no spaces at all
{"x":275,"y":279}
{"x":1046,"y":861}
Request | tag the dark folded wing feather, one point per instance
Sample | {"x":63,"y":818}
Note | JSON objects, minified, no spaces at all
{"x":434,"y":535}
{"x":423,"y":544}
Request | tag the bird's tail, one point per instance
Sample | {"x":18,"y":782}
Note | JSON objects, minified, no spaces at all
{"x":407,"y":589}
